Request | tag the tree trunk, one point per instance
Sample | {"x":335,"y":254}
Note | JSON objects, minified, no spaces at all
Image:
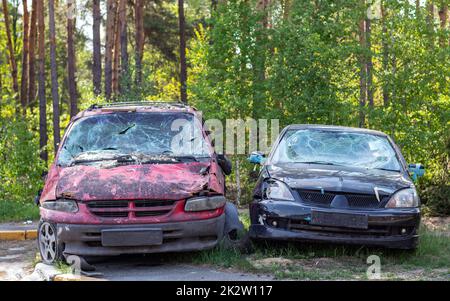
{"x":259,"y":98}
{"x":430,"y":22}
{"x":41,"y":91}
{"x":139,"y":31}
{"x":71,"y":67}
{"x":110,"y":21}
{"x":31,"y":55}
{"x":362,"y":75}
{"x":97,"y":56}
{"x":238,"y":183}
{"x":385,"y":51}
{"x":123,"y":82}
{"x":443,"y":16}
{"x":24,"y":77}
{"x":287,"y":4}
{"x":369,"y":64}
{"x":183,"y":66}
{"x":54,"y":74}
{"x":12,"y":57}
{"x":116,"y":57}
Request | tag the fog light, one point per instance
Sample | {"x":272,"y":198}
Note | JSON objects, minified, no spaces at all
{"x":274,"y":223}
{"x":403,"y":230}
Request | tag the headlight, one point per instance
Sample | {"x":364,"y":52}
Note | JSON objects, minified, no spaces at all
{"x":274,"y":189}
{"x":404,"y":198}
{"x":205,"y":203}
{"x":61,"y":205}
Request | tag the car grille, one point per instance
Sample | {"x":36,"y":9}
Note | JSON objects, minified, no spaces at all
{"x":354,"y":200}
{"x":304,"y":225}
{"x":130,"y":209}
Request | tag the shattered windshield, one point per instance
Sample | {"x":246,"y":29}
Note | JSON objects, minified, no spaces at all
{"x":119,"y":135}
{"x":336,"y":148}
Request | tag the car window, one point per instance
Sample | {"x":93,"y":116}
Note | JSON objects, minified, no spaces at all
{"x":150,"y":133}
{"x":336,"y":148}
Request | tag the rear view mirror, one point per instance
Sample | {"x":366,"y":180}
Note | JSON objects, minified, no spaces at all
{"x":257,"y":158}
{"x":416,"y":171}
{"x":225,"y":164}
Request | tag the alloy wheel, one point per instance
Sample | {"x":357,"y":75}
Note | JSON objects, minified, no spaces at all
{"x":47,"y":243}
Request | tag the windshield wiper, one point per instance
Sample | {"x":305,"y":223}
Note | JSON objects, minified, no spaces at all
{"x":119,"y":159}
{"x":191,"y":157}
{"x":387,"y":169}
{"x":126,"y":129}
{"x":319,"y":162}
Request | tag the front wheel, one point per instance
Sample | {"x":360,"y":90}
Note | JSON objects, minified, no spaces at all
{"x":50,"y":249}
{"x":235,"y":237}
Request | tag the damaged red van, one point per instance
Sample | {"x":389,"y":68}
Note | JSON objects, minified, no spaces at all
{"x":135,"y":178}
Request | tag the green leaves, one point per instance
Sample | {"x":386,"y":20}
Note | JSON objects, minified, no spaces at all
{"x":303,"y":68}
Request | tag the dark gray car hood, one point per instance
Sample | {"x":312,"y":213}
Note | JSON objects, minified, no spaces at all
{"x":338,"y":178}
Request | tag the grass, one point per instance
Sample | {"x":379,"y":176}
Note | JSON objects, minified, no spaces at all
{"x":17,"y":211}
{"x":431,"y":260}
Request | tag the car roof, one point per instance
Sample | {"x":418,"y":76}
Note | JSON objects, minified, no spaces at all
{"x":138,"y":106}
{"x":333,"y":128}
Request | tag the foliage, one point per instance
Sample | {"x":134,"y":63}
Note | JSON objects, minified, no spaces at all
{"x":303,"y":68}
{"x":20,"y":169}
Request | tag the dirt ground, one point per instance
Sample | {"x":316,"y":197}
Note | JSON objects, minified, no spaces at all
{"x":344,"y":268}
{"x":17,"y":258}
{"x":441,"y":224}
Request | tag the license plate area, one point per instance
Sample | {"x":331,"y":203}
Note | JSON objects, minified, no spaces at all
{"x":332,"y":219}
{"x":131,"y":237}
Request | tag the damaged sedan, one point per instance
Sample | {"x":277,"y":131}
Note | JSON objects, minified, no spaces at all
{"x":135,"y":178}
{"x":337,"y":185}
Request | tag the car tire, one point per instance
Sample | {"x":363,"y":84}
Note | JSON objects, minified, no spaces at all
{"x":235,"y":237}
{"x":50,"y":249}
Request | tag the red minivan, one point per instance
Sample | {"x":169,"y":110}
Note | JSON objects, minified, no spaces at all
{"x":135,"y":178}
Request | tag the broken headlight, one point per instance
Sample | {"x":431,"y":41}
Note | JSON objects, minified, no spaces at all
{"x":205,"y":203}
{"x":405,"y":198}
{"x":277,"y":190}
{"x":63,"y":205}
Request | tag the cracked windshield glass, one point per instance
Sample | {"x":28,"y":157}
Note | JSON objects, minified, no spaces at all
{"x":336,"y":148}
{"x":134,"y":136}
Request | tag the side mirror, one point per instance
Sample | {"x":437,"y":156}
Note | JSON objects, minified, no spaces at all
{"x":38,"y":197}
{"x":416,"y":171}
{"x":257,"y":158}
{"x":225,"y":164}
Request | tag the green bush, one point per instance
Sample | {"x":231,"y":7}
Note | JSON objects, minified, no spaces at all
{"x":20,"y":170}
{"x":434,"y":189}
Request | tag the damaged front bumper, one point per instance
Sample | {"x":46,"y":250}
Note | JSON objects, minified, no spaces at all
{"x":293,"y":221}
{"x":106,"y":240}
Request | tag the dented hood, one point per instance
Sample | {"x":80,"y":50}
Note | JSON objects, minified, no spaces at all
{"x":338,"y":178}
{"x":148,"y":181}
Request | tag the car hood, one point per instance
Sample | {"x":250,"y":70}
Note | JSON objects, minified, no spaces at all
{"x":338,"y":178}
{"x":147,"y":181}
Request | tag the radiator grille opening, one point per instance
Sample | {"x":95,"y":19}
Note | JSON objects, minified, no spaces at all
{"x":354,"y":200}
{"x":136,"y":208}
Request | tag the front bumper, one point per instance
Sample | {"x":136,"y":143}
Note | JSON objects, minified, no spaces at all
{"x":86,"y":240}
{"x":291,"y":221}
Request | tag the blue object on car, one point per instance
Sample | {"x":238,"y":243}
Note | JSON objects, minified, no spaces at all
{"x":256,"y":158}
{"x":416,"y":170}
